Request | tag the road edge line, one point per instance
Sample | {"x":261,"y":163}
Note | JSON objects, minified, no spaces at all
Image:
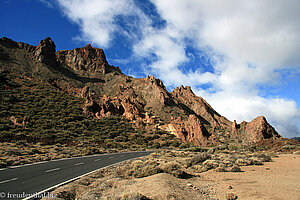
{"x":73,"y":179}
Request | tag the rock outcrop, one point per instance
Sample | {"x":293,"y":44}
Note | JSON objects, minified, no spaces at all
{"x":84,"y":72}
{"x":88,"y":59}
{"x":192,"y":130}
{"x":198,"y":106}
{"x":45,"y":52}
{"x":259,"y":129}
{"x":16,"y":123}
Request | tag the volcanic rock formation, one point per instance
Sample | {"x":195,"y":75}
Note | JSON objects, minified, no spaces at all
{"x":85,"y":72}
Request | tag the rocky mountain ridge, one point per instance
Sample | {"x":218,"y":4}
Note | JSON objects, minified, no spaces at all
{"x":85,"y":72}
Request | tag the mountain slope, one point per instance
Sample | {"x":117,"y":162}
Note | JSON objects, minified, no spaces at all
{"x":145,"y":102}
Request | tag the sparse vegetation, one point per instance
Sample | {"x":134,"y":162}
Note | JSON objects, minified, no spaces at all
{"x":182,"y":165}
{"x":55,"y":124}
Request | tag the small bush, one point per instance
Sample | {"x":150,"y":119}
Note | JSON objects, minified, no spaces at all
{"x":199,"y":158}
{"x":134,"y":196}
{"x":230,"y":196}
{"x":242,"y":162}
{"x":234,"y":168}
{"x":210,"y":164}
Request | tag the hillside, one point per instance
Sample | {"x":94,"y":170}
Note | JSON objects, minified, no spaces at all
{"x":56,"y":96}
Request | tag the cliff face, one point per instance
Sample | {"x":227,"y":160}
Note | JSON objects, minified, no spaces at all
{"x":85,"y":72}
{"x":87,"y":59}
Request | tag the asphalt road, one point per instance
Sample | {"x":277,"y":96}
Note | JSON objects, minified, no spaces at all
{"x":18,"y":182}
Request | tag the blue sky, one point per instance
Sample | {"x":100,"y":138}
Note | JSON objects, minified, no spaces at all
{"x":241,"y":56}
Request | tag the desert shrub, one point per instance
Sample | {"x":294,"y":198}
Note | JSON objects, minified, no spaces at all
{"x":155,"y":136}
{"x":141,"y":141}
{"x":133,"y":196}
{"x":13,"y":152}
{"x":242,"y":162}
{"x":185,"y":145}
{"x":199,"y":158}
{"x":66,"y":195}
{"x":144,"y":169}
{"x":255,"y":160}
{"x":199,"y":168}
{"x":165,"y":144}
{"x":86,"y":151}
{"x":289,"y":147}
{"x":265,"y":158}
{"x":176,"y":143}
{"x":3,"y":164}
{"x":220,"y":169}
{"x":175,"y":169}
{"x":210,"y":164}
{"x":196,"y":149}
{"x":230,"y":196}
{"x":170,"y":167}
{"x":156,"y":145}
{"x":36,"y":151}
{"x":234,"y":168}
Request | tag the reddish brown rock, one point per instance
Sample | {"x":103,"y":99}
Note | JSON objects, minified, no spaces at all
{"x":86,"y":93}
{"x":259,"y":129}
{"x":45,"y":52}
{"x":84,"y":72}
{"x":193,"y":104}
{"x":87,"y":58}
{"x":16,"y":123}
{"x":234,"y":127}
{"x":130,"y":111}
{"x":192,"y":130}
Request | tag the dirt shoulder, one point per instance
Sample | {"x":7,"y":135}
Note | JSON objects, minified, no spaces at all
{"x":186,"y":175}
{"x":279,"y":179}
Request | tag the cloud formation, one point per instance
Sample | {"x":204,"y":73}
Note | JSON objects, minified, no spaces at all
{"x":248,"y":43}
{"x":100,"y":20}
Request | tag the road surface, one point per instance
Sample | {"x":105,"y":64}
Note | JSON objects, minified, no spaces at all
{"x":20,"y":181}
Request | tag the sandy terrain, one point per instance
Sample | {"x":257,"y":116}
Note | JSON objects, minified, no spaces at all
{"x":273,"y":180}
{"x":162,"y":186}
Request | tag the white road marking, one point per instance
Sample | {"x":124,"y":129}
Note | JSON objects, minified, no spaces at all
{"x":68,"y":181}
{"x":3,"y":169}
{"x":97,"y":159}
{"x":51,"y":170}
{"x":81,"y":163}
{"x":13,"y":179}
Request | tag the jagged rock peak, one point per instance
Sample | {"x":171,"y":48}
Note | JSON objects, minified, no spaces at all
{"x":45,"y":52}
{"x":155,"y":81}
{"x":87,"y":58}
{"x":259,"y":129}
{"x":88,"y":46}
{"x":260,"y":118}
{"x":183,"y":89}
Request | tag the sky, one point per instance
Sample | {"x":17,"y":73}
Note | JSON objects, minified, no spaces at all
{"x":241,"y":56}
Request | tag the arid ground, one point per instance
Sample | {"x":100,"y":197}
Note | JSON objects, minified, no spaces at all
{"x":279,"y":179}
{"x":176,"y":175}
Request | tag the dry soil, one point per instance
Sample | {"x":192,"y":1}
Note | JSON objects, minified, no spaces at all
{"x":279,"y":179}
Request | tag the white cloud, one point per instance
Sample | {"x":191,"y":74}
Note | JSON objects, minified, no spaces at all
{"x":168,"y":52}
{"x":255,"y":39}
{"x":98,"y":20}
{"x":282,"y":113}
{"x":250,"y":42}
